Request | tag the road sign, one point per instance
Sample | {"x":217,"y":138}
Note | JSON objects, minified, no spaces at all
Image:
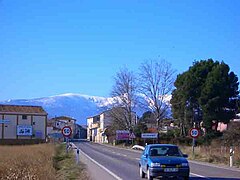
{"x":24,"y":130}
{"x":67,"y":131}
{"x":149,"y":135}
{"x":4,"y":121}
{"x":132,"y":136}
{"x":194,"y":132}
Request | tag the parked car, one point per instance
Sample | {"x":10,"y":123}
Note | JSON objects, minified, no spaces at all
{"x":165,"y":160}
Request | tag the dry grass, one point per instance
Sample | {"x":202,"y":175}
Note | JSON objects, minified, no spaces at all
{"x":27,"y":162}
{"x":39,"y":162}
{"x":213,"y":154}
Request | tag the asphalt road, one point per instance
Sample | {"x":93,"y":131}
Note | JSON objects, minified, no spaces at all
{"x":108,"y":162}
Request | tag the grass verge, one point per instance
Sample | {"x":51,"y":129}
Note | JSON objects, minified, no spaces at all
{"x":66,"y":166}
{"x":212,"y":154}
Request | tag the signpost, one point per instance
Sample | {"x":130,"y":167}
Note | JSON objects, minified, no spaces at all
{"x":67,"y":132}
{"x":149,"y":136}
{"x":194,"y":133}
{"x":132,"y":136}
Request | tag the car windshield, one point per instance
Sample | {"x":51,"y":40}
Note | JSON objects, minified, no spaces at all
{"x":165,"y":151}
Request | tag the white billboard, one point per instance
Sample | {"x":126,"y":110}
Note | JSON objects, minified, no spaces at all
{"x":24,"y":130}
{"x":149,"y":135}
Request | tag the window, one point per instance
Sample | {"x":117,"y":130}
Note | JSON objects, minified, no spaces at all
{"x":165,"y":151}
{"x":24,"y":116}
{"x":33,"y":123}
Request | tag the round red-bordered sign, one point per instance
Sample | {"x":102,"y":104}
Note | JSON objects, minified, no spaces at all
{"x":67,"y":131}
{"x":194,"y":132}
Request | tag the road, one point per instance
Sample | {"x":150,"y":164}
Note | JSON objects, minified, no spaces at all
{"x":108,"y":162}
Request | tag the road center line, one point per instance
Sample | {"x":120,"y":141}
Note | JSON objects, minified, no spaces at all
{"x":103,"y":167}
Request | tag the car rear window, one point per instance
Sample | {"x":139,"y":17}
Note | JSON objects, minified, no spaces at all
{"x":165,"y":151}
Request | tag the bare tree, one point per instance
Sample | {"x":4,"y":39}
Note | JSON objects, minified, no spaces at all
{"x":124,"y":91}
{"x":157,"y":81}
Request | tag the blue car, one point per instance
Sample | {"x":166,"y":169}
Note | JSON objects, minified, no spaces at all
{"x":163,"y":160}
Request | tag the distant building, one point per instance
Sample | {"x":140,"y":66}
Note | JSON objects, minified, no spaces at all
{"x":22,"y":124}
{"x":223,"y":127}
{"x":92,"y":127}
{"x":98,"y":124}
{"x":81,"y":132}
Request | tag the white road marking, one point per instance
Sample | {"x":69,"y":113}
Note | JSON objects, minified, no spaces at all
{"x":110,"y":172}
{"x":119,"y":154}
{"x":198,"y":175}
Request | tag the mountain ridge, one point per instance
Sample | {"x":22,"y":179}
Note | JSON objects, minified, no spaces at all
{"x":77,"y":106}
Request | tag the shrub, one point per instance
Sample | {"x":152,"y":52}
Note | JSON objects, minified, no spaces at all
{"x":232,"y":135}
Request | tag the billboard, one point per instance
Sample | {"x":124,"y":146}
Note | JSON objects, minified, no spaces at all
{"x":24,"y":130}
{"x":122,"y":135}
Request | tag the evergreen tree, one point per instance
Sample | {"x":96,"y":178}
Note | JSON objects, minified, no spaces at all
{"x":207,"y":87}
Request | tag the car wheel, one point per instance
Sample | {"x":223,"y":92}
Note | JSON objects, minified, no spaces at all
{"x":142,"y":174}
{"x":186,"y":178}
{"x":148,"y":175}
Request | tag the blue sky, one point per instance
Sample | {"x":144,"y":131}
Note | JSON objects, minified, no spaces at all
{"x":51,"y":47}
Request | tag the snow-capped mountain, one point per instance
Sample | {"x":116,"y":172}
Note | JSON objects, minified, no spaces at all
{"x":77,"y":106}
{"x":73,"y":105}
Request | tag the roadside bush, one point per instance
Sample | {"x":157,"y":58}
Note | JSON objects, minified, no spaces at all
{"x":208,"y":138}
{"x":183,"y":140}
{"x":60,"y":155}
{"x":232,"y":135}
{"x":65,"y":165}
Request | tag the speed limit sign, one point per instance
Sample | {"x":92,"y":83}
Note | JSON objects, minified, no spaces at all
{"x":67,"y":131}
{"x":194,"y":132}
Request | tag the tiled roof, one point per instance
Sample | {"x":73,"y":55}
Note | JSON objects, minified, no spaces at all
{"x":22,"y":109}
